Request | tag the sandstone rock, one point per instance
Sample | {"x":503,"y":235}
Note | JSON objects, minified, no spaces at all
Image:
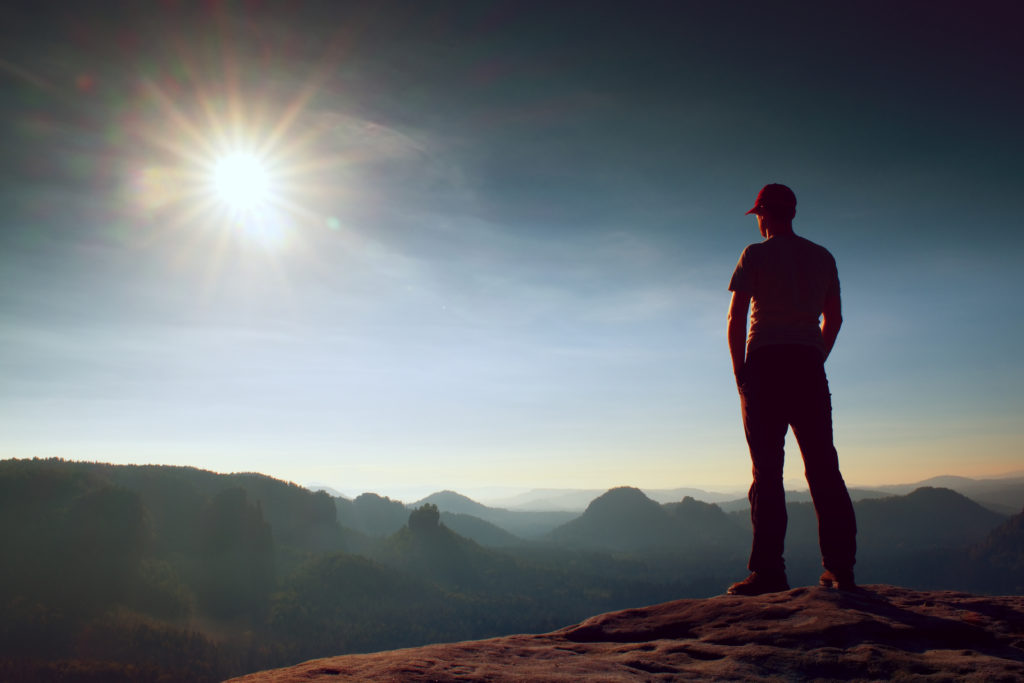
{"x":877,"y":633}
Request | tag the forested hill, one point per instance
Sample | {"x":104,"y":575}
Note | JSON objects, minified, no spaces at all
{"x":155,"y":573}
{"x":133,"y":573}
{"x":177,"y":498}
{"x":99,"y":554}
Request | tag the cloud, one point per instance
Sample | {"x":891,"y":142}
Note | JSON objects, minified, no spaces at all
{"x":379,"y":141}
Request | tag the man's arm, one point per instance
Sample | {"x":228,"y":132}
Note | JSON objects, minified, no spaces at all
{"x":738,"y":309}
{"x":831,"y":321}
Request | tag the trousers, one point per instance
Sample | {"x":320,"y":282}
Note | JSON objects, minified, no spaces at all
{"x":785,"y":386}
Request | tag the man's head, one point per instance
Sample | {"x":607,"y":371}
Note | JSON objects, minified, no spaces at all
{"x":775,"y":202}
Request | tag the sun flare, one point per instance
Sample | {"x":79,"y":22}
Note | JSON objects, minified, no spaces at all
{"x":231,"y":170}
{"x":242,"y":182}
{"x":250,"y":197}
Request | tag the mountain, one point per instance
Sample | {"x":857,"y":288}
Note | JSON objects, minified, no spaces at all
{"x":497,"y":592}
{"x":175,"y":498}
{"x":676,"y":495}
{"x":521,"y":524}
{"x":1005,"y":500}
{"x":913,"y":540}
{"x":333,"y":493}
{"x":1004,"y":495}
{"x":945,"y":481}
{"x":803,"y":496}
{"x":131,"y":572}
{"x":543,"y":500}
{"x":450,"y":501}
{"x":371,"y":514}
{"x":377,"y":516}
{"x":620,"y":519}
{"x":577,"y":500}
{"x":705,"y":523}
{"x":998,"y":560}
{"x":926,"y":517}
{"x":625,"y":519}
{"x":480,"y":531}
{"x":430,"y":550}
{"x":878,"y":633}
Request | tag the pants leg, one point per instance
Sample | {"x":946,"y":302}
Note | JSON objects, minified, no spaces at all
{"x":765,"y":426}
{"x":812,"y":425}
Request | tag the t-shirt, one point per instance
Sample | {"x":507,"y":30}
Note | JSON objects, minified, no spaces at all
{"x":789,"y":279}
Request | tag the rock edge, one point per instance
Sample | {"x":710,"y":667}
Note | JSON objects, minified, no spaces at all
{"x":878,"y":632}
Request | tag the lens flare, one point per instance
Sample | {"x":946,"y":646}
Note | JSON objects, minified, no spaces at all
{"x":229,"y":165}
{"x":242,"y":182}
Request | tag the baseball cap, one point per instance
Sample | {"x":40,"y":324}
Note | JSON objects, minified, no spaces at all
{"x":774,"y":196}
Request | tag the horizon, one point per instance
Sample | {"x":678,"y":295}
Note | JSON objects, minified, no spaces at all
{"x":468,"y":245}
{"x":495,"y":496}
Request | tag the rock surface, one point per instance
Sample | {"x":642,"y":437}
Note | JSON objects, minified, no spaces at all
{"x":876,"y":633}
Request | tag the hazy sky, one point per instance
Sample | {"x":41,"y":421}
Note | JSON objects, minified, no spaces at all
{"x":501,"y":235}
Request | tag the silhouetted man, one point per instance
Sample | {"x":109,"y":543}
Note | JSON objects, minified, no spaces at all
{"x":780,"y":372}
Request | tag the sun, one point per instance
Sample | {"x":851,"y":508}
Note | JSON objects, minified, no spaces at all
{"x":249,"y":196}
{"x":233,"y":171}
{"x":241,"y":181}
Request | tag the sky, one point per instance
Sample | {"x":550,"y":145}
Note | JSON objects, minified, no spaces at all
{"x":496,"y":237}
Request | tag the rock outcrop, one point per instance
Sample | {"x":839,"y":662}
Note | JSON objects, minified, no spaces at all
{"x":876,"y":633}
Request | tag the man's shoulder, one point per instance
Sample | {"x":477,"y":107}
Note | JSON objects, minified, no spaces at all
{"x":808,"y":243}
{"x":768,"y":248}
{"x":753,"y":248}
{"x":814,"y":247}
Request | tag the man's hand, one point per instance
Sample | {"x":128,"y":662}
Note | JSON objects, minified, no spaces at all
{"x":831,"y":321}
{"x":738,"y":309}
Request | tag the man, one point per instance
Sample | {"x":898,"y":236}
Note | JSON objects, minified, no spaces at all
{"x":780,"y":373}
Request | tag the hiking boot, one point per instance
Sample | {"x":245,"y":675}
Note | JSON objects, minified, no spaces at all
{"x":759,"y":583}
{"x":843,"y":580}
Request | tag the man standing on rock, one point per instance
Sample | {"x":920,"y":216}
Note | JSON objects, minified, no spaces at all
{"x":780,"y":373}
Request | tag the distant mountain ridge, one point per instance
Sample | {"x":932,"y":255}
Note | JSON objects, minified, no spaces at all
{"x":479,"y":530}
{"x":1002,"y":494}
{"x":625,"y":526}
{"x":625,"y":519}
{"x":577,"y":500}
{"x":915,"y":538}
{"x":371,"y":514}
{"x":524,"y":524}
{"x":925,"y":516}
{"x":455,"y":502}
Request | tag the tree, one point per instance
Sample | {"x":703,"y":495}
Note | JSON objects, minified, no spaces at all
{"x":236,"y":557}
{"x":425,"y":519}
{"x":107,"y":535}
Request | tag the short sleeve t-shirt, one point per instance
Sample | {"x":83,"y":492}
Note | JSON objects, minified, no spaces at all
{"x":789,"y":279}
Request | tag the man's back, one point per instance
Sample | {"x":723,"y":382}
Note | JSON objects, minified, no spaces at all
{"x":789,"y":278}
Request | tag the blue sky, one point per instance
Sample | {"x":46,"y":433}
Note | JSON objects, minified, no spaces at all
{"x":506,"y":235}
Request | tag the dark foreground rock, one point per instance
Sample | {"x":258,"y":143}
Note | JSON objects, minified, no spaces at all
{"x":877,"y":633}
